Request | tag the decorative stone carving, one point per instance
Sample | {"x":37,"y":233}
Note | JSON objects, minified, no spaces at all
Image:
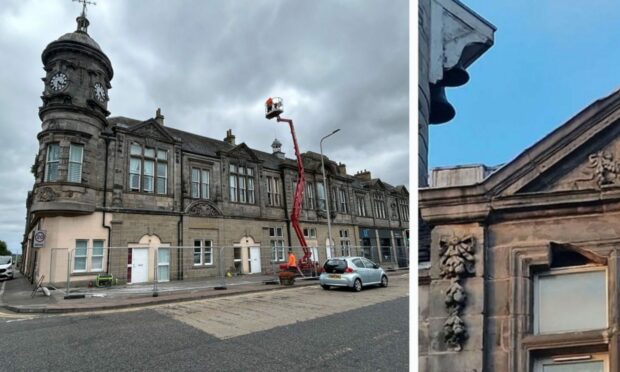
{"x":46,"y":194}
{"x":456,"y":262}
{"x":203,"y":209}
{"x":456,"y":257}
{"x":602,"y":169}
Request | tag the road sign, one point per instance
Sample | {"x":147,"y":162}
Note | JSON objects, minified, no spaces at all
{"x":39,"y":238}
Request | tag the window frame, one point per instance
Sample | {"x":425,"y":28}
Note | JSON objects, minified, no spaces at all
{"x":156,"y":159}
{"x":342,"y":199}
{"x":203,"y":188}
{"x":276,"y":242}
{"x":71,"y":163}
{"x":538,"y":364}
{"x":49,"y":163}
{"x":88,"y":256}
{"x":241,"y":192}
{"x":203,"y":248}
{"x":567,"y":271}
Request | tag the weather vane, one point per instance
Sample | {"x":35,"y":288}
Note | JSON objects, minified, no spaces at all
{"x":84,"y":2}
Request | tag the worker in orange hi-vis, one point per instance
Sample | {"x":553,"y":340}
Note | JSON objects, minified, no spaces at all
{"x":269,"y":104}
{"x":292,"y":261}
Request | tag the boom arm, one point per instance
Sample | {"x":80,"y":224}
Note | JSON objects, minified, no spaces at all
{"x":299,"y":194}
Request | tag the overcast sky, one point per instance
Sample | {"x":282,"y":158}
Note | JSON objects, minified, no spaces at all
{"x":210,"y":65}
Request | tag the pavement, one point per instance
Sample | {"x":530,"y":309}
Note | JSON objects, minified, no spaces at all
{"x":17,"y":295}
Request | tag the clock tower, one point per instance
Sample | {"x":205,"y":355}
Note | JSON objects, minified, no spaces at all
{"x":69,"y":176}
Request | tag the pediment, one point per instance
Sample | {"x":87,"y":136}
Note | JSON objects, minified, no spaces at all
{"x":582,"y":154}
{"x":242,"y":151}
{"x":203,"y":208}
{"x":152,"y":129}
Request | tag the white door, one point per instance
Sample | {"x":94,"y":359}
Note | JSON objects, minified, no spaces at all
{"x":255,"y":260}
{"x":139,"y":265}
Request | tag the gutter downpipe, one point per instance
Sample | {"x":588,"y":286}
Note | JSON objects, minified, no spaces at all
{"x":107,"y":139}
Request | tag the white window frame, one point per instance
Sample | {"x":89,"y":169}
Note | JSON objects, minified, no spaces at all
{"x":93,"y":255}
{"x":277,"y":244}
{"x":567,"y":271}
{"x":200,"y":186}
{"x":84,"y":256}
{"x":320,"y":194}
{"x":49,"y":163}
{"x":342,"y":195}
{"x":241,"y":184}
{"x":564,"y":359}
{"x":162,"y":264}
{"x":73,"y":147}
{"x":361,"y":206}
{"x":206,"y":246}
{"x":310,"y":232}
{"x":310,"y":195}
{"x":154,"y":155}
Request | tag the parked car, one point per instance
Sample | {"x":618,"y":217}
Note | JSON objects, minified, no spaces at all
{"x":352,"y":272}
{"x":6,"y":267}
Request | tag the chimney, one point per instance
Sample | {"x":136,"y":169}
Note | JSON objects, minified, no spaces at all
{"x":230,"y":138}
{"x":342,"y":169}
{"x":159,"y":118}
{"x":363,"y":175}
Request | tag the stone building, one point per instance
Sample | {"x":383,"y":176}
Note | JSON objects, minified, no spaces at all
{"x":525,"y":266}
{"x":140,"y":184}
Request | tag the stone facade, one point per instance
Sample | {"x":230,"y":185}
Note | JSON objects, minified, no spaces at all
{"x":141,"y":183}
{"x":551,"y":213}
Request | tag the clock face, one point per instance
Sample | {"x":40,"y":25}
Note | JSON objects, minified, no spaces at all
{"x":58,"y":81}
{"x":100,"y":92}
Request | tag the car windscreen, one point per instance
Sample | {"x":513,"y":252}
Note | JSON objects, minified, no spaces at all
{"x":335,"y":266}
{"x":5,"y":260}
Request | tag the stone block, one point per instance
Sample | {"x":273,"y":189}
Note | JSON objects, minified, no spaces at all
{"x":499,"y":296}
{"x":464,"y":361}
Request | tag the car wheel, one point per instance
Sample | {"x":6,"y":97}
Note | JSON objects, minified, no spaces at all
{"x":324,"y":286}
{"x":384,"y":281}
{"x":357,"y":285}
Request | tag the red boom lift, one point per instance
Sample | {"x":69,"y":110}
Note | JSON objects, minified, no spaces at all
{"x":273,"y":109}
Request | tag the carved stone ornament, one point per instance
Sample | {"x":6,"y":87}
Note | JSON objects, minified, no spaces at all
{"x":602,"y":170}
{"x":46,"y":194}
{"x":456,"y":262}
{"x":203,"y":209}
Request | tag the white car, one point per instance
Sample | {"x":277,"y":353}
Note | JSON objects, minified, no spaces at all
{"x":6,"y":267}
{"x":352,"y":272}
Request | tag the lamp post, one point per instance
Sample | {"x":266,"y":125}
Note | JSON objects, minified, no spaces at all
{"x":327,"y":194}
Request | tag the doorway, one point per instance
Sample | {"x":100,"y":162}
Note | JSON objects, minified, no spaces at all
{"x":255,"y":267}
{"x":139,"y":265}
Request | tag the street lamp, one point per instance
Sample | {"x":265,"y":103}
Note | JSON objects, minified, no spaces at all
{"x":327,"y":194}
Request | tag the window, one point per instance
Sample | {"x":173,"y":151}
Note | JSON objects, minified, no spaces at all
{"x":200,"y":183}
{"x":321,"y":195}
{"x":573,"y":363}
{"x":310,"y":232}
{"x":76,"y":156}
{"x":241,"y":184}
{"x":148,"y":169}
{"x":203,"y":252}
{"x":583,"y":291}
{"x":345,"y":244}
{"x":51,"y":164}
{"x":163,"y":264}
{"x":361,"y":206}
{"x":85,"y":253}
{"x":343,"y":200}
{"x":379,"y":204}
{"x":277,"y":244}
{"x":273,"y":191}
{"x":97,"y":256}
{"x":80,"y":255}
{"x":309,"y":195}
{"x":404,"y":210}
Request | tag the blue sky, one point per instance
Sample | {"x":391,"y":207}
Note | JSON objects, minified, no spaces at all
{"x":550,"y":60}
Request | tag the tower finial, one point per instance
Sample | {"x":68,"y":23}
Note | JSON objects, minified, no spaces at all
{"x":82,"y":21}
